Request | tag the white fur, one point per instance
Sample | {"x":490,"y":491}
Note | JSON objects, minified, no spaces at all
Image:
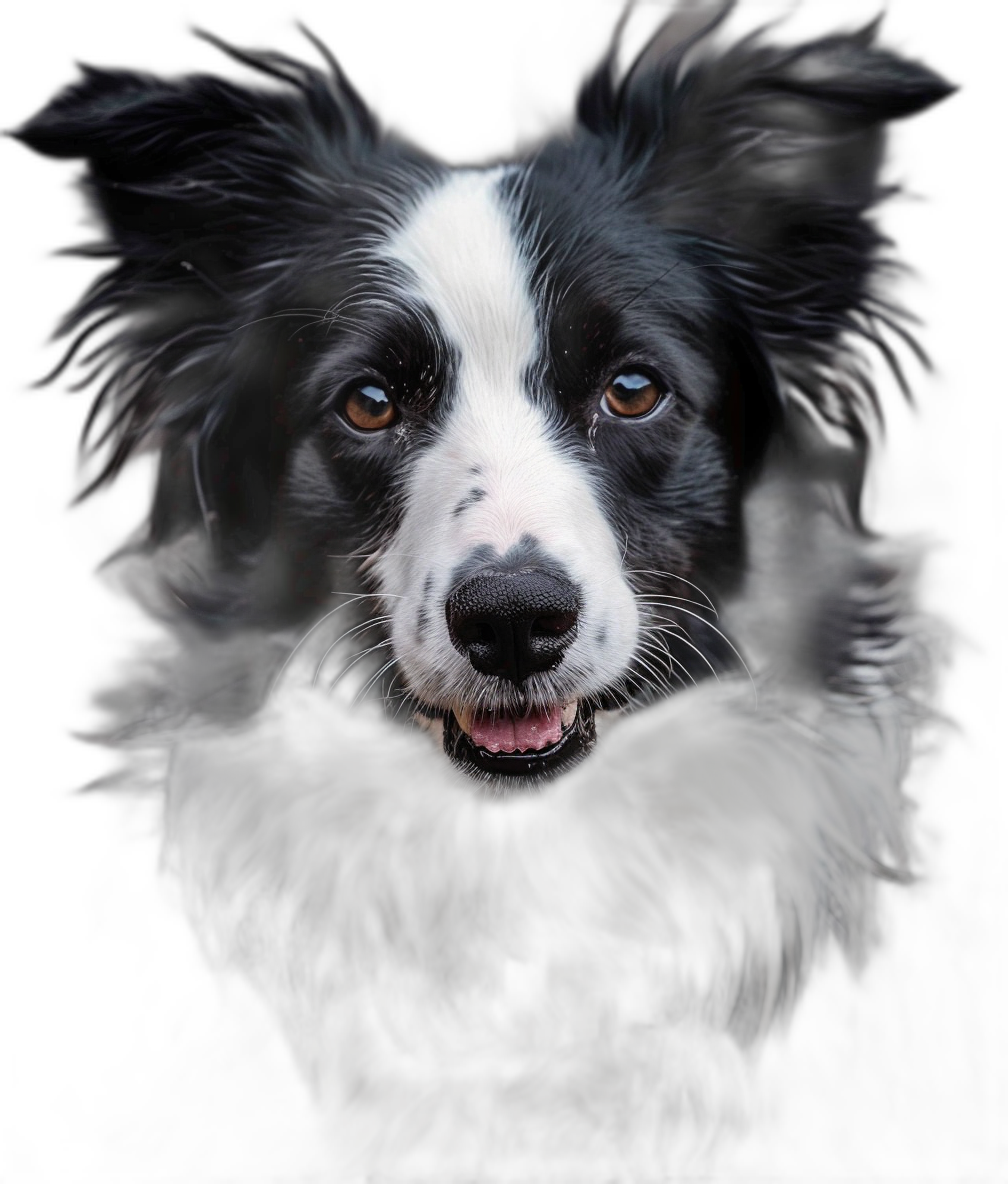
{"x":480,"y":985}
{"x":459,"y":250}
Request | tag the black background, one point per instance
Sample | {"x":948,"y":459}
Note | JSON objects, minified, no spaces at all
{"x":126,"y":1055}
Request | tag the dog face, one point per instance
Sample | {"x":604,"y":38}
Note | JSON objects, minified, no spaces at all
{"x":546,"y":448}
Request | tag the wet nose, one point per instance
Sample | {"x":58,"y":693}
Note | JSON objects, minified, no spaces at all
{"x":513,"y":624}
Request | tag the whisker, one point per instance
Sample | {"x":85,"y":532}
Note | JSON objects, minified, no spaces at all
{"x":383,"y":644}
{"x":657,"y":673}
{"x":659,"y":651}
{"x":373,"y":679}
{"x":338,"y":609}
{"x":725,"y":639}
{"x":671,"y":575}
{"x":657,"y":600}
{"x":681,"y":637}
{"x":352,"y":632}
{"x":370,"y":595}
{"x":275,"y":316}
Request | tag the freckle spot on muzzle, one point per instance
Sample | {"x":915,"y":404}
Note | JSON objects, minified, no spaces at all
{"x":423,"y":613}
{"x":472,"y":498}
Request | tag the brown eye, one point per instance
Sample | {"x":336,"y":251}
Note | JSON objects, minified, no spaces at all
{"x":369,"y":409}
{"x":631,"y":395}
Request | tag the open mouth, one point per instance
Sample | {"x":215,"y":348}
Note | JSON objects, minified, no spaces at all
{"x":536,"y":744}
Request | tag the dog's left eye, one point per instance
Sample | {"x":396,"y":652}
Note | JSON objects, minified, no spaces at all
{"x":631,"y":395}
{"x":369,"y":409}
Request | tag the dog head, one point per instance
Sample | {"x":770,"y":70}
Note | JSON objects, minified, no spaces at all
{"x":517,"y":408}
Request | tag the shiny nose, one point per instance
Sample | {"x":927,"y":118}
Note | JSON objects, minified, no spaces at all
{"x":513,"y":624}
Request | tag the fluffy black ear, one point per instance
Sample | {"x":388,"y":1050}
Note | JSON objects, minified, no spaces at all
{"x":209,"y":193}
{"x":774,"y":153}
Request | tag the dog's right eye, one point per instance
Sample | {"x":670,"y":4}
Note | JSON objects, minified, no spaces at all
{"x":369,"y":409}
{"x":631,"y":396}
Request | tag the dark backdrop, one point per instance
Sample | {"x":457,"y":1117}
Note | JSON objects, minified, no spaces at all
{"x":126,"y":1054}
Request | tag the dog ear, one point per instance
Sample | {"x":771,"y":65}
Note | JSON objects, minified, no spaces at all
{"x":774,"y":154}
{"x":207,"y":191}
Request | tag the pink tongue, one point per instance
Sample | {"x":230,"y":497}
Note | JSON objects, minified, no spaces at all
{"x":526,"y":733}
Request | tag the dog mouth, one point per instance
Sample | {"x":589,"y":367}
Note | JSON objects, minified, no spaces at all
{"x":533,"y":745}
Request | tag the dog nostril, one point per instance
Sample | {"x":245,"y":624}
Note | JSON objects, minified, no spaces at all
{"x":497,"y":620}
{"x":468,"y":631}
{"x":554,"y":624}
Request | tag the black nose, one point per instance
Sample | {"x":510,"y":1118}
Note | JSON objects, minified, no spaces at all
{"x":513,"y":623}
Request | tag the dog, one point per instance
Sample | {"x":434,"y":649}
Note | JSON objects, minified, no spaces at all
{"x":537,"y":703}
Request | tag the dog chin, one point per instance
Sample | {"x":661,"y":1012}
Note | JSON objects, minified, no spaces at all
{"x":513,"y":751}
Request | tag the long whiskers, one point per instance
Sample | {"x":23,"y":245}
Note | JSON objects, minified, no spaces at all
{"x":679,"y":633}
{"x":304,"y":637}
{"x":661,"y":652}
{"x":350,"y":598}
{"x":353,"y":631}
{"x":675,"y":633}
{"x":670,"y":575}
{"x":374,"y":677}
{"x":385,"y":643}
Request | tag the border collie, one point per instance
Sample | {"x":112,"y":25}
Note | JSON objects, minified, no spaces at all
{"x":536,"y":704}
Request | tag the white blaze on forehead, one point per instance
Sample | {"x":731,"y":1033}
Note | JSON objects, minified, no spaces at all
{"x":496,"y":474}
{"x":460,"y":247}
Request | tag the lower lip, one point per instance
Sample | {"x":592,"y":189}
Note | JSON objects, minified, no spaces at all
{"x":574,"y":744}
